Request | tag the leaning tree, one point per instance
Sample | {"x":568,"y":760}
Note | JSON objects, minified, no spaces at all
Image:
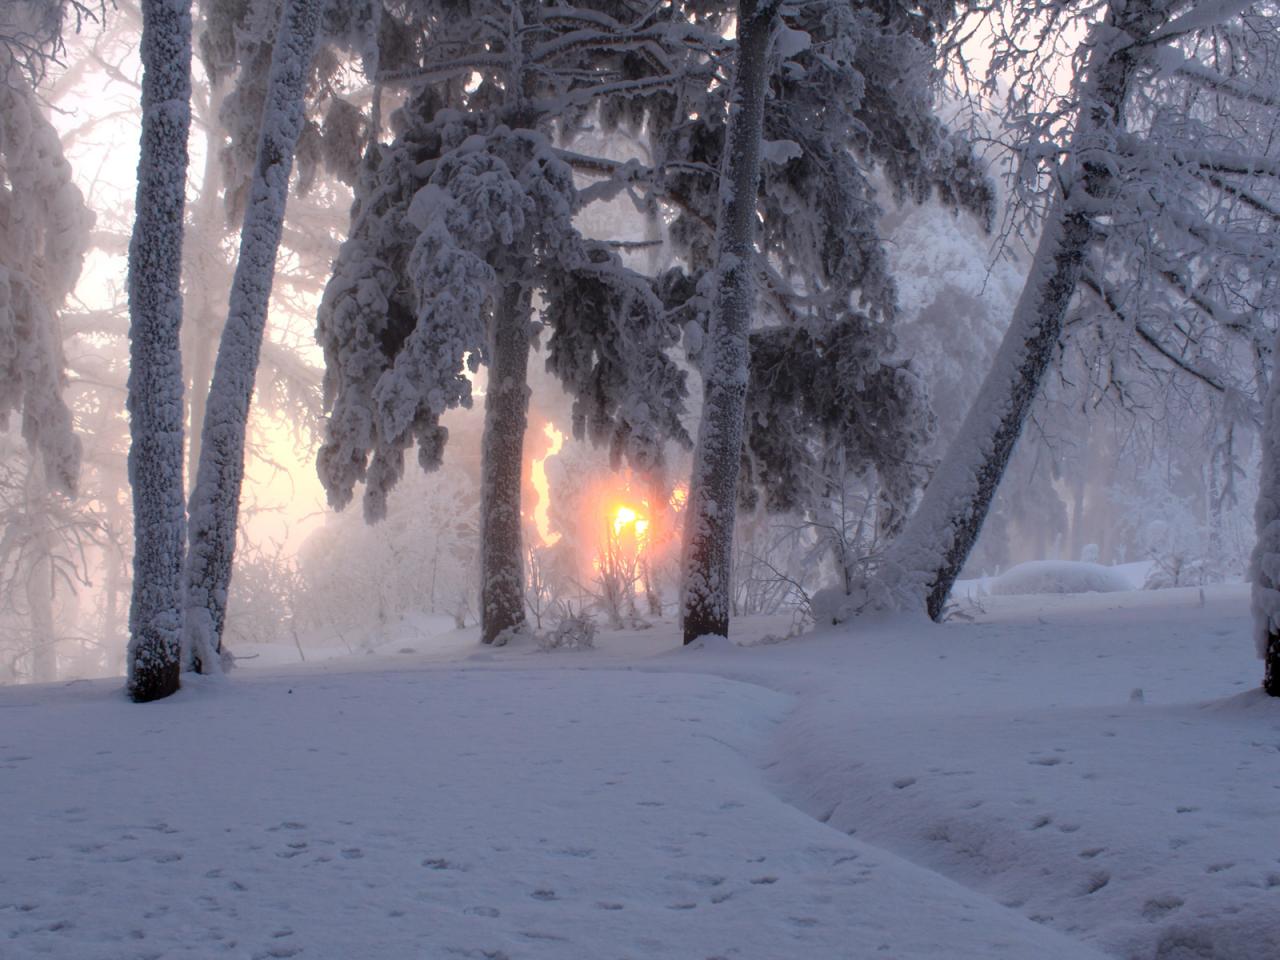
{"x":1137,"y":179}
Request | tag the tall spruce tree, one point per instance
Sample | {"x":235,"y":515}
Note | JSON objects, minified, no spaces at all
{"x":457,"y":225}
{"x":850,"y":98}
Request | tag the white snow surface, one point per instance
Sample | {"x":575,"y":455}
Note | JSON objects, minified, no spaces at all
{"x":907,"y":790}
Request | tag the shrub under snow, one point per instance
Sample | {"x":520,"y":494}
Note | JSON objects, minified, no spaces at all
{"x":1059,"y":576}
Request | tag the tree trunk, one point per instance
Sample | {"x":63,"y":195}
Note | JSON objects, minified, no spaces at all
{"x":155,"y":370}
{"x":923,"y":563}
{"x":39,"y":580}
{"x":658,"y":534}
{"x":112,"y":562}
{"x":506,"y":415}
{"x":713,"y":487}
{"x":215,"y":500}
{"x":1265,"y":562}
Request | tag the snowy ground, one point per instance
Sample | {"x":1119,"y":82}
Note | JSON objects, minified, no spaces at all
{"x":977,"y":790}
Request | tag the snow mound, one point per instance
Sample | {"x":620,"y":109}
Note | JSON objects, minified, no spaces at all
{"x":1059,"y":576}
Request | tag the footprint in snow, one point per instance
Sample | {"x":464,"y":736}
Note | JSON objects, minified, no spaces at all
{"x":697,"y":879}
{"x":1158,"y":907}
{"x":580,"y":853}
{"x":1095,"y":882}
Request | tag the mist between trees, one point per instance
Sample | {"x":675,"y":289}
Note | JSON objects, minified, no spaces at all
{"x":684,"y":310}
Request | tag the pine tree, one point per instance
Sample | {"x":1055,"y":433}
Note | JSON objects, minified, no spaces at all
{"x":713,"y":487}
{"x":473,"y":204}
{"x":839,"y":113}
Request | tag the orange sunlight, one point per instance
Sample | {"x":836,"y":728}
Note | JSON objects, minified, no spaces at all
{"x":541,"y":516}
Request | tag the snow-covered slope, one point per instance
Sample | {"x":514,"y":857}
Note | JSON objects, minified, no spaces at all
{"x":1005,"y":795}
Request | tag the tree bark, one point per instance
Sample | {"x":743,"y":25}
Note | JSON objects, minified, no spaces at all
{"x":506,"y":415}
{"x":215,"y":500}
{"x":713,"y":487}
{"x":923,"y":563}
{"x":155,"y":372}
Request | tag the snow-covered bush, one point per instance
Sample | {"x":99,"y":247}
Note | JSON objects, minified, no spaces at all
{"x":575,"y":631}
{"x":1059,"y":576}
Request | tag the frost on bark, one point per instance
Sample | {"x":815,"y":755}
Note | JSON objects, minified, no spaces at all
{"x":506,"y":414}
{"x":921,"y":566}
{"x":155,"y":372}
{"x":713,"y":487}
{"x":215,"y":499}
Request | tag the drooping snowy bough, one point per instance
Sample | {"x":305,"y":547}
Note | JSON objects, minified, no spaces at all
{"x":44,"y":233}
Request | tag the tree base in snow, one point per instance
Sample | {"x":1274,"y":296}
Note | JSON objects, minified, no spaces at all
{"x":700,"y":620}
{"x":153,"y":683}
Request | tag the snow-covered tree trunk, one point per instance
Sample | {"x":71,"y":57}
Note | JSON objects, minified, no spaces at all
{"x":506,"y":415}
{"x":155,"y":371}
{"x":215,"y":500}
{"x":713,"y":487}
{"x":1265,"y":563}
{"x":922,"y":564}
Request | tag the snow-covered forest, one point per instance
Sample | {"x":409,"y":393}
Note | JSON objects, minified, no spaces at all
{"x":818,"y":467}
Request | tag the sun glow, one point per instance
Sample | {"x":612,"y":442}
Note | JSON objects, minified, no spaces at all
{"x":623,"y":517}
{"x":538,"y":470}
